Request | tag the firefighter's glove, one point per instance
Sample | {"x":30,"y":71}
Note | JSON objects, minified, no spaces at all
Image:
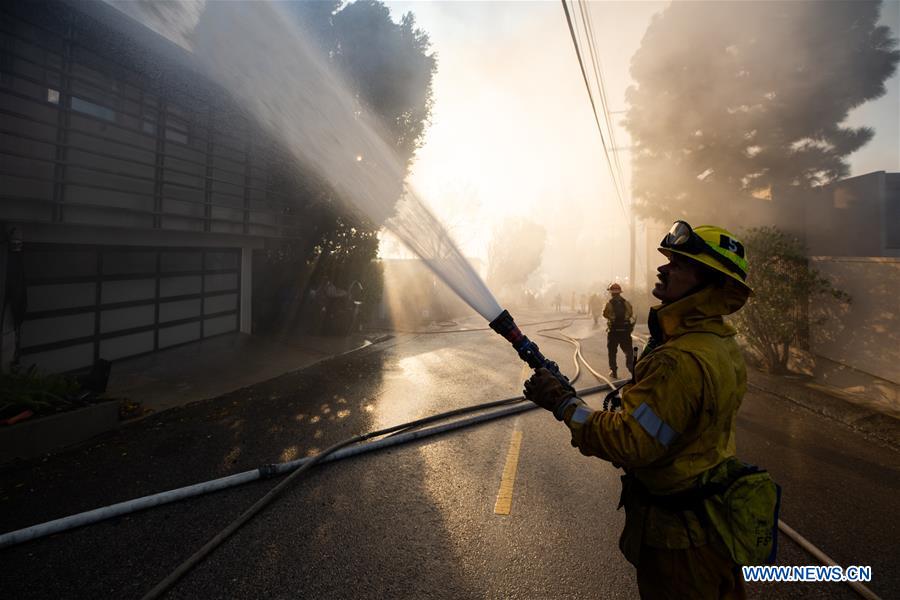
{"x":548,"y":392}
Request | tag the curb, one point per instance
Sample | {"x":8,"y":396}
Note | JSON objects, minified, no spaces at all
{"x":56,"y":433}
{"x":53,"y":433}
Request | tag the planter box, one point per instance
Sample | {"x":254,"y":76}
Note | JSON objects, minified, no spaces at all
{"x":35,"y":437}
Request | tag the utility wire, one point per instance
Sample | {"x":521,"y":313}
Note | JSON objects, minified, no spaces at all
{"x":593,"y":55}
{"x":598,"y":72}
{"x":594,"y":109}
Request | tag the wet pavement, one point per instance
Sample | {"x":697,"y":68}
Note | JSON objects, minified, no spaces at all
{"x":417,"y":520}
{"x":218,"y":365}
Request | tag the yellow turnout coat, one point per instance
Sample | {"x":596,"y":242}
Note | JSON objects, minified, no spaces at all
{"x":677,"y":419}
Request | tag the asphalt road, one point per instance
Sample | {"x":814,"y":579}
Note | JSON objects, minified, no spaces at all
{"x":416,"y":520}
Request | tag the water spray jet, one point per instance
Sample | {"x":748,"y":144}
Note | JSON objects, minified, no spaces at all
{"x":273,"y":73}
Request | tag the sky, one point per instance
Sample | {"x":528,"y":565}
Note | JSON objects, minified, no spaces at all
{"x":883,"y":152}
{"x":512,"y":133}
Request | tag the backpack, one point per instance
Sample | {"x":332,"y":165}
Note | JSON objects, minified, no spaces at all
{"x":741,"y":503}
{"x":744,"y":511}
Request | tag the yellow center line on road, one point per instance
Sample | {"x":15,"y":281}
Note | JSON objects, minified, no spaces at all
{"x":504,"y":496}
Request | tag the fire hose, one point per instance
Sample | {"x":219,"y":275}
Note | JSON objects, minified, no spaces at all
{"x":392,"y":436}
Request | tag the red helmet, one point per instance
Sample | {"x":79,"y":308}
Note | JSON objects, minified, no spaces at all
{"x":614,"y":288}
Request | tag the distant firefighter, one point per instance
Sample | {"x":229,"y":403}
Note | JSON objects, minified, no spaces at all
{"x":596,"y":307}
{"x":619,"y":317}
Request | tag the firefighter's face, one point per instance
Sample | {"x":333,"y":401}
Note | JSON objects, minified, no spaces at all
{"x":678,"y":278}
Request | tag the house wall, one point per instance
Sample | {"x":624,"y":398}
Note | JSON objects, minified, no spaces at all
{"x":111,"y":148}
{"x":866,"y":335}
{"x":847,"y":218}
{"x":87,"y":140}
{"x":853,"y":237}
{"x":891,"y":219}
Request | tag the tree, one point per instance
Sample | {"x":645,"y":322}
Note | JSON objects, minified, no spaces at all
{"x":736,"y":100}
{"x":515,"y":252}
{"x":775,"y":320}
{"x":389,"y":67}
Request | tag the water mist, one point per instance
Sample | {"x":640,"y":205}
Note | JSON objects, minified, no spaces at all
{"x":272,"y":70}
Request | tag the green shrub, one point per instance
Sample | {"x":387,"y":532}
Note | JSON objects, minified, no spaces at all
{"x":28,"y":389}
{"x":776,"y":317}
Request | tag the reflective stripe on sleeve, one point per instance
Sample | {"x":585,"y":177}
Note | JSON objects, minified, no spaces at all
{"x":656,"y":427}
{"x":581,"y":414}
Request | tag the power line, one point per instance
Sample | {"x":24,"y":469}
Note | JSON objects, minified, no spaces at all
{"x":598,"y":75}
{"x":594,"y":109}
{"x":598,"y":72}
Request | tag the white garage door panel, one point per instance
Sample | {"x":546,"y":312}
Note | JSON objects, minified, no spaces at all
{"x":128,"y":290}
{"x":217,"y":304}
{"x":126,"y":345}
{"x":64,"y":295}
{"x":179,"y":334}
{"x":54,"y":329}
{"x":180,"y":286}
{"x":127,"y":318}
{"x":149,"y":299}
{"x":179,"y":309}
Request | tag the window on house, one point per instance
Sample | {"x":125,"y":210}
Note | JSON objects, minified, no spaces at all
{"x":90,"y":108}
{"x":95,"y":93}
{"x":52,"y":96}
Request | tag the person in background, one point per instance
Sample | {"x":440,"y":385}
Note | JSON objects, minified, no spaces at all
{"x":619,"y":316}
{"x":595,"y":305}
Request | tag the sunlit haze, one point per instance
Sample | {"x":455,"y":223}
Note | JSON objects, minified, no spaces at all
{"x":512,"y":133}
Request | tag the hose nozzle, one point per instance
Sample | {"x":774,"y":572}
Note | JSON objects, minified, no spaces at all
{"x":528,"y":350}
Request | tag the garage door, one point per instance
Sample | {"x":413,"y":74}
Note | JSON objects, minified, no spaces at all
{"x":90,"y":302}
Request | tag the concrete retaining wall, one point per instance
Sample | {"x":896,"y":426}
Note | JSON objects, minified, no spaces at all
{"x":38,"y":436}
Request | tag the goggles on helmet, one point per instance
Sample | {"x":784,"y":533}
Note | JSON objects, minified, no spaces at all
{"x":682,"y":237}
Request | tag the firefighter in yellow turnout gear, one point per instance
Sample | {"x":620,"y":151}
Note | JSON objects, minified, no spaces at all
{"x":619,"y":317}
{"x":674,"y":433}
